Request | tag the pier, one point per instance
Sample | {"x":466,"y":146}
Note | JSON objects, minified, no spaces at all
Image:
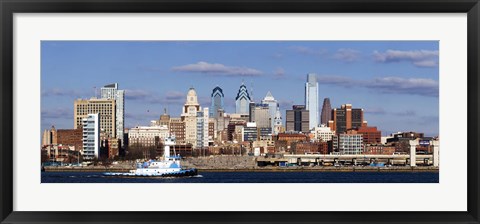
{"x":325,"y":160}
{"x":413,"y":159}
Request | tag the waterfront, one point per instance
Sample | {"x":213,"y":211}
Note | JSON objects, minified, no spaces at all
{"x":215,"y":127}
{"x":253,"y":177}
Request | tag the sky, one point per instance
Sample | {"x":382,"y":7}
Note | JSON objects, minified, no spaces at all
{"x":395,"y":82}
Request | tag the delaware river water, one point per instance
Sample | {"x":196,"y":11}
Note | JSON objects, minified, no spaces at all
{"x":252,"y":177}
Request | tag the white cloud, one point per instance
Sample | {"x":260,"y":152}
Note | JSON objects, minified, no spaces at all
{"x":378,"y":111}
{"x":170,"y":97}
{"x":347,"y":55}
{"x":307,"y":51}
{"x":63,"y":92}
{"x":134,"y":94}
{"x":407,"y":113}
{"x":279,"y":73}
{"x":57,"y":113}
{"x":420,"y":58}
{"x":398,"y":85}
{"x":336,"y":80}
{"x":417,"y":86}
{"x":426,"y":63}
{"x":175,"y":95}
{"x":217,"y":69}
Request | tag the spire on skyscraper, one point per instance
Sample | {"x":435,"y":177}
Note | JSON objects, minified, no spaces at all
{"x":242,"y":100}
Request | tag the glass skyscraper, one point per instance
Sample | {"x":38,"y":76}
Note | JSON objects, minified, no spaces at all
{"x":273,"y":106}
{"x":112,"y":92}
{"x":311,"y":99}
{"x":217,"y":101}
{"x":242,"y":101}
{"x":326,"y":111}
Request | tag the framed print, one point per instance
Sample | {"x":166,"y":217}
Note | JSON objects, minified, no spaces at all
{"x":269,"y":111}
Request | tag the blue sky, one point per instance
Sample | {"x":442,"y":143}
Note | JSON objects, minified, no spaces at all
{"x":395,"y":82}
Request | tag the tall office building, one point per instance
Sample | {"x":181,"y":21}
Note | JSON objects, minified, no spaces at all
{"x":326,"y":111}
{"x":346,"y":118}
{"x":311,"y":99}
{"x":260,"y":114}
{"x":217,"y":102}
{"x":189,"y":116}
{"x":91,"y":136}
{"x":202,"y":128}
{"x":221,"y":120}
{"x":106,"y":108}
{"x":111,"y":91}
{"x":298,"y":119}
{"x":242,"y":100}
{"x":273,"y":107}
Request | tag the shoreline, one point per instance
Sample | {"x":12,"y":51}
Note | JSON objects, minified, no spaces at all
{"x":261,"y":169}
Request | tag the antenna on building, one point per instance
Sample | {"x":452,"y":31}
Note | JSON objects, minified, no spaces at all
{"x":165,"y":111}
{"x":95,"y":92}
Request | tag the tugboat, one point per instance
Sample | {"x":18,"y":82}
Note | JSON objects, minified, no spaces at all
{"x":168,"y":167}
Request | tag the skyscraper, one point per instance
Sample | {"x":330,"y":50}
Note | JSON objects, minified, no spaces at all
{"x":273,"y":106}
{"x":326,"y":111}
{"x":242,"y":100}
{"x":104,"y":107}
{"x":260,"y":114}
{"x":311,"y":99}
{"x":217,"y":101}
{"x":202,"y":128}
{"x":346,"y":118}
{"x":111,"y":91}
{"x":91,"y":136}
{"x":298,"y":119}
{"x":189,"y":116}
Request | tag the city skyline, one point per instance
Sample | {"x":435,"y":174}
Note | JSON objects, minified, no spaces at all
{"x":396,"y":83}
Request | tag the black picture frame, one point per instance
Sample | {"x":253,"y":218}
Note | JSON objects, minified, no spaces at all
{"x":9,"y":7}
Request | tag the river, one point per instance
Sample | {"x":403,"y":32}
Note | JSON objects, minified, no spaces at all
{"x":252,"y":177}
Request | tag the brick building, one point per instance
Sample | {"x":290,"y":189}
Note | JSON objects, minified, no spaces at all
{"x":345,"y":118}
{"x":370,"y":134}
{"x":71,"y":137}
{"x":177,"y":128}
{"x":310,"y":147}
{"x":379,"y":149}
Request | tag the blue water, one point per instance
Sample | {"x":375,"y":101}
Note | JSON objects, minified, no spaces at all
{"x":252,"y":177}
